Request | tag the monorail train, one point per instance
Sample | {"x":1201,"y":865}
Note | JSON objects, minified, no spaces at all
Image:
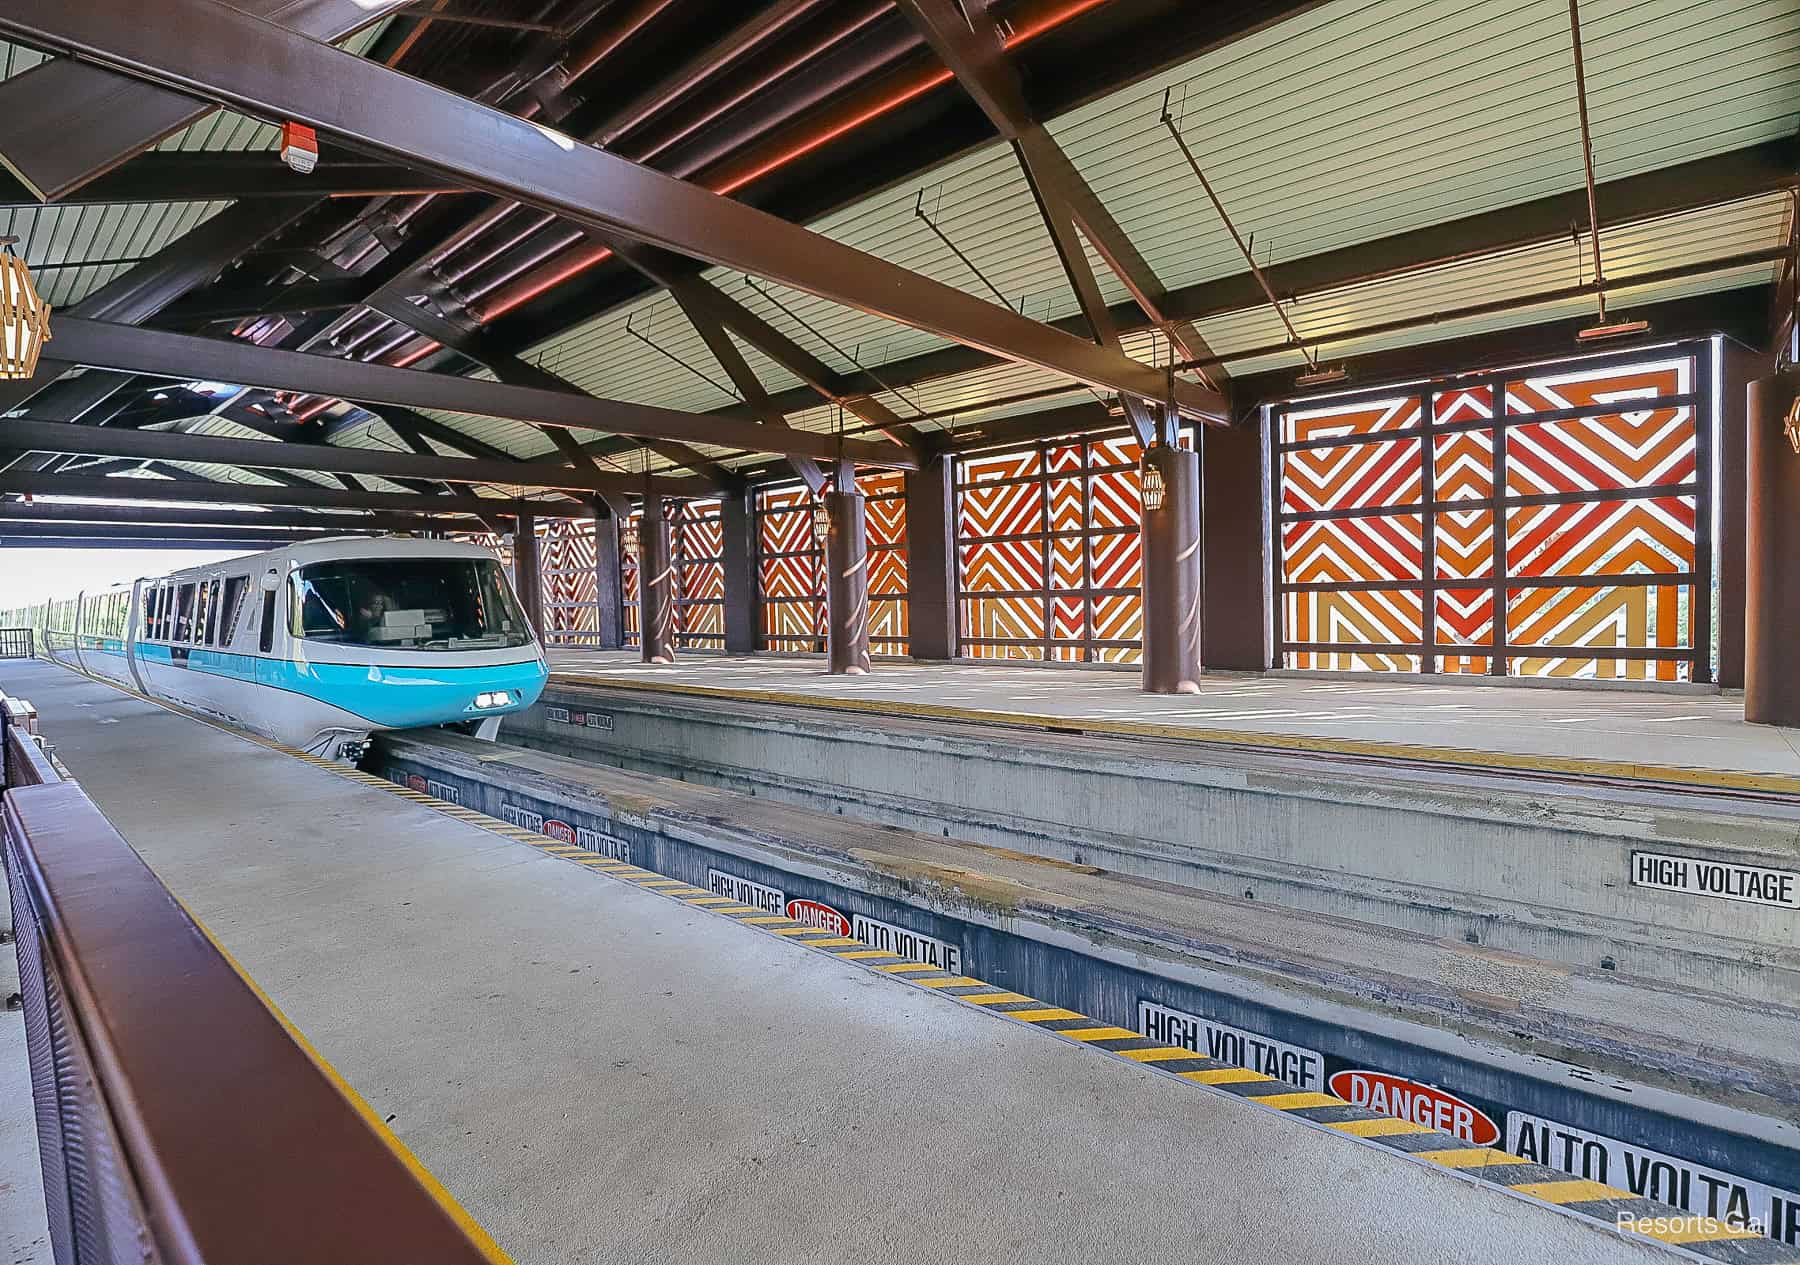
{"x":317,"y":645}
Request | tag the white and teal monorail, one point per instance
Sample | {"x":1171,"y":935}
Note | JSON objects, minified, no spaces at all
{"x":317,"y":645}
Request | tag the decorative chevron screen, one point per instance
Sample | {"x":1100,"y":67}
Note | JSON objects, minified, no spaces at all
{"x":1579,"y":509}
{"x":696,"y":548}
{"x":790,"y":569}
{"x":566,"y":556}
{"x":1049,"y":562}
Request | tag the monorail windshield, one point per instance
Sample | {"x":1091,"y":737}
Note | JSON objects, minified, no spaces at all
{"x":409,"y":604}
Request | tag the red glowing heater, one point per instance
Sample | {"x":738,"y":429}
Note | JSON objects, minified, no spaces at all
{"x":299,"y":147}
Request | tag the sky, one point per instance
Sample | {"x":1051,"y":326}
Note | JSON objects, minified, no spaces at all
{"x":30,"y":575}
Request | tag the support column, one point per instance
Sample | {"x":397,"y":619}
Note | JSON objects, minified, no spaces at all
{"x":1771,"y":555}
{"x":609,"y":598}
{"x":527,"y":578}
{"x":846,"y":585}
{"x":1235,"y":600}
{"x":931,"y":560}
{"x":1739,"y":367}
{"x":736,"y":528}
{"x":656,"y":585}
{"x":1172,"y":579}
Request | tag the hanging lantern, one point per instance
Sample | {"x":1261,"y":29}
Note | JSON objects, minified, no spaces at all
{"x":821,"y":522}
{"x":628,"y":538}
{"x":1150,"y":479}
{"x":24,"y":318}
{"x":299,"y":147}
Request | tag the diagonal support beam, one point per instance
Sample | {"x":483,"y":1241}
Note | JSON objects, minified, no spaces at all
{"x":218,"y":52}
{"x":205,"y":176}
{"x":66,"y":122}
{"x":138,"y":350}
{"x":262,"y":454}
{"x":975,"y":52}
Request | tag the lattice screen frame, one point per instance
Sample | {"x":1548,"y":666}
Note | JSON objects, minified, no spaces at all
{"x":793,"y":619}
{"x":1431,"y":418}
{"x":697,"y":552}
{"x":1109,"y":540}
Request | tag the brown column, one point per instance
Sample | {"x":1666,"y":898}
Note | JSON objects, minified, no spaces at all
{"x":1235,"y":604}
{"x":846,"y":585}
{"x":737,"y":535}
{"x":1739,"y":366}
{"x":1172,"y":581}
{"x":656,"y":585}
{"x":931,"y":560}
{"x":1771,"y":555}
{"x":527,"y":580}
{"x":609,"y":620}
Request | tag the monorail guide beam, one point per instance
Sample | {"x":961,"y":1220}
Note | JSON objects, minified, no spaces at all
{"x":270,"y":494}
{"x":226,"y":360}
{"x":157,"y":445}
{"x":217,"y":52}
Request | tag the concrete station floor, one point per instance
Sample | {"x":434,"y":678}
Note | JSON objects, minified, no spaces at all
{"x":1688,"y":728}
{"x":601,"y":1074}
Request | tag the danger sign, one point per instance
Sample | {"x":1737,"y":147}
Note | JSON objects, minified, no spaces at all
{"x":1390,"y":1095}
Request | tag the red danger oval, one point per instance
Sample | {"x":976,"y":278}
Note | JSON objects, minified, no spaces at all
{"x":1390,"y":1095}
{"x":559,"y":830}
{"x":812,"y":914}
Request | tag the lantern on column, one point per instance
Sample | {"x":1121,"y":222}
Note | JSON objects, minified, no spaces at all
{"x":24,"y":317}
{"x":821,"y":522}
{"x":1150,"y":479}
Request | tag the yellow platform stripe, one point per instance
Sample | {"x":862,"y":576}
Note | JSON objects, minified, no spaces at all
{"x":903,"y":968}
{"x":663,"y":882}
{"x":1380,"y":1127}
{"x":992,"y":999}
{"x":710,"y":900}
{"x":1474,"y":1157}
{"x":953,"y":981}
{"x":767,"y":919}
{"x":1573,"y":1191}
{"x":1296,"y":1101}
{"x":1045,"y":1015}
{"x":1224,"y":1076}
{"x":1162,"y":1054}
{"x":1098,"y":1034}
{"x":1692,"y":1228}
{"x":834,"y":942}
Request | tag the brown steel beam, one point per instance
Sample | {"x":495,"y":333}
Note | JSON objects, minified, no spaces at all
{"x":211,"y":49}
{"x":139,"y":350}
{"x":514,"y":370}
{"x":65,"y":122}
{"x":67,"y":535}
{"x":233,"y":303}
{"x":969,"y":43}
{"x":310,"y":497}
{"x":262,"y":454}
{"x":223,"y":522}
{"x":206,"y":176}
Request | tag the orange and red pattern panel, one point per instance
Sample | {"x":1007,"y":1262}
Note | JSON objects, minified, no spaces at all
{"x":790,"y":567}
{"x":1600,"y":493}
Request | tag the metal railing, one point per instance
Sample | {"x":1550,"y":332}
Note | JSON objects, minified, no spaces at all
{"x":179,"y":1121}
{"x":16,"y":643}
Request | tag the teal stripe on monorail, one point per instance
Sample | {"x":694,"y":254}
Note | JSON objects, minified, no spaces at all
{"x":387,"y":697}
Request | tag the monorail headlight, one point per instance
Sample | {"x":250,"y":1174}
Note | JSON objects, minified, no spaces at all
{"x":497,"y":698}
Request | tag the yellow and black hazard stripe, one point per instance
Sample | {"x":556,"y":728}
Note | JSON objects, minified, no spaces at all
{"x":1703,"y":1237}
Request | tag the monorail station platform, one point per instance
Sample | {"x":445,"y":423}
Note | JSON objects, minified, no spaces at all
{"x":603,"y":1065}
{"x":1663,"y":733}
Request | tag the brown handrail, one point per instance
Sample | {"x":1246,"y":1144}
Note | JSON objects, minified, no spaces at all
{"x":203,"y":1128}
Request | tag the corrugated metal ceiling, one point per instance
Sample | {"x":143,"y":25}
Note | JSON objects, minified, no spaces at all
{"x":1358,"y":120}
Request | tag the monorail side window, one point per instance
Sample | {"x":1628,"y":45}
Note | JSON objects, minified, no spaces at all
{"x":184,"y":613}
{"x":212,"y":612}
{"x":267,"y":640}
{"x":235,"y":588}
{"x":147,"y":626}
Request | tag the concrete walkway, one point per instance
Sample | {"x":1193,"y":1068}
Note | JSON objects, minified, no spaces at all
{"x":600,"y":1074}
{"x":1687,"y":729}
